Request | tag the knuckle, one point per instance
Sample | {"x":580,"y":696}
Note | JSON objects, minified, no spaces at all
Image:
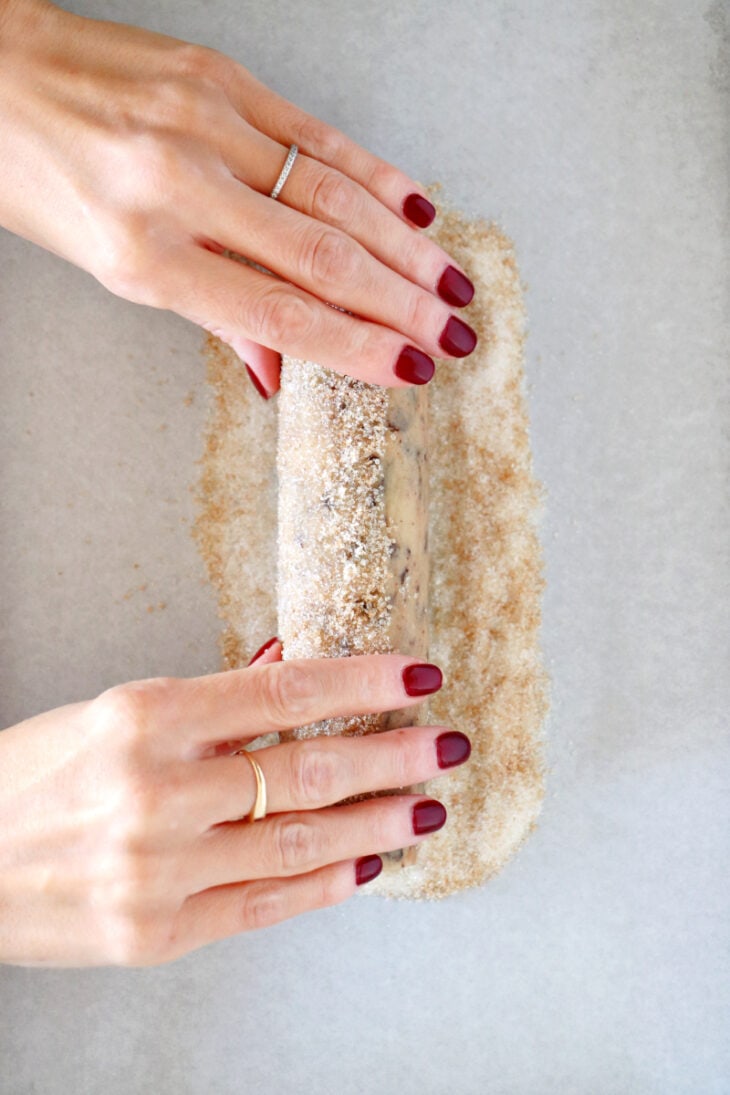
{"x":401,"y":760}
{"x":129,"y":711}
{"x":382,"y":177}
{"x":124,"y":710}
{"x":142,"y":787}
{"x":119,"y":258}
{"x":315,"y":775}
{"x":262,"y":906}
{"x":186,"y":103}
{"x":419,"y":311}
{"x":126,"y":260}
{"x":332,"y":258}
{"x":318,"y":139}
{"x":414,"y":252}
{"x":200,"y":62}
{"x":282,"y":318}
{"x":289,"y":693}
{"x":157,"y":697}
{"x":335,"y":198}
{"x":298,"y":844}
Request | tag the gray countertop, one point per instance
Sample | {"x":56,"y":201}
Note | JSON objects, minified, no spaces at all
{"x":596,"y":134}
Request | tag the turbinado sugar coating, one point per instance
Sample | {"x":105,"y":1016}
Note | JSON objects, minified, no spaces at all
{"x":353,"y":523}
{"x":485,"y":562}
{"x":352,"y":529}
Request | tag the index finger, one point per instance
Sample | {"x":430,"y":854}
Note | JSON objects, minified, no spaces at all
{"x":245,"y":703}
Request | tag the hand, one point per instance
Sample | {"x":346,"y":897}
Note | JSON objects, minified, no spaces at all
{"x":142,"y":159}
{"x":119,"y":842}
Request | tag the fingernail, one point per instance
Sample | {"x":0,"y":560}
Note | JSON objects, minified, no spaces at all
{"x":452,"y":748}
{"x":422,"y":679}
{"x":257,"y":383}
{"x":367,"y":868}
{"x":455,"y":287}
{"x":428,"y":817}
{"x":262,"y":650}
{"x":419,"y":210}
{"x":457,"y":338}
{"x":414,"y":366}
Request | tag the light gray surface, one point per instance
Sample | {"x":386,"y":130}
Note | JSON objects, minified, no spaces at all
{"x":596,"y":133}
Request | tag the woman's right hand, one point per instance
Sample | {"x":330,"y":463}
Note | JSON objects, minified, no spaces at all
{"x":120,"y":834}
{"x":142,"y":159}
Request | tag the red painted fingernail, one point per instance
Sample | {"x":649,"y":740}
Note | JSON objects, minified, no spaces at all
{"x":257,"y":384}
{"x":452,"y":748}
{"x":455,"y":287}
{"x":367,"y":868}
{"x":428,"y":817}
{"x":422,"y":679}
{"x":457,"y":338}
{"x":262,"y":650}
{"x":414,"y":366}
{"x":419,"y":210}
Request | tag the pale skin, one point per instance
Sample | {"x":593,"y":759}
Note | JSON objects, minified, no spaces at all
{"x":120,"y":834}
{"x":140,"y":159}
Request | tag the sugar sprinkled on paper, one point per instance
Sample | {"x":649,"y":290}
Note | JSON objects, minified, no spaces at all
{"x":486,"y":576}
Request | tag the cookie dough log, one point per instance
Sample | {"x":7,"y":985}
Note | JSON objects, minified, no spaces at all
{"x":352,"y":530}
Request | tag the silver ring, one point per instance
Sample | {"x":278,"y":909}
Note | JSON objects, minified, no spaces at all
{"x":284,"y":172}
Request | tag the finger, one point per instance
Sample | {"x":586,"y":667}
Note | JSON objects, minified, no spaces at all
{"x":331,"y":197}
{"x":262,"y":365}
{"x":228,"y":910}
{"x":269,"y":652}
{"x":283,"y":845}
{"x":331,"y":265}
{"x":288,"y":124}
{"x":318,"y":772}
{"x":245,"y":703}
{"x":236,"y":301}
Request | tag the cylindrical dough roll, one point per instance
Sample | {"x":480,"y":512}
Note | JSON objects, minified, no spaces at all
{"x":353,"y":527}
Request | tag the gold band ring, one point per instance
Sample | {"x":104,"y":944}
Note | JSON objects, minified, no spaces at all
{"x":258,"y":810}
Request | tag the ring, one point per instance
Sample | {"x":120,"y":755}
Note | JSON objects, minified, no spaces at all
{"x":289,"y":163}
{"x":258,"y":810}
